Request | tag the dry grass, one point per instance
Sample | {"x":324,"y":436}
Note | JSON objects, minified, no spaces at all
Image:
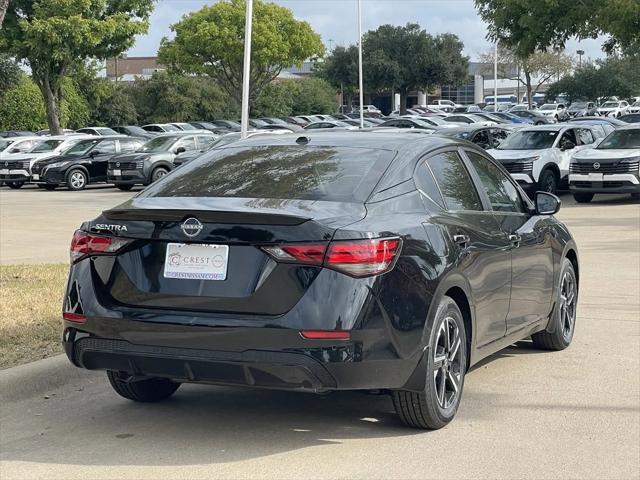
{"x":31,"y":306}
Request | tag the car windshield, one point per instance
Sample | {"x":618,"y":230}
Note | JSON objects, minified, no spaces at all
{"x":4,"y":144}
{"x":137,"y":130}
{"x":610,"y":105}
{"x":106,"y":131}
{"x":158,"y":144}
{"x":529,"y":140}
{"x":548,"y":106}
{"x":435,"y":121}
{"x":636,"y":104}
{"x":578,"y":106}
{"x":621,"y":139}
{"x":81,"y":148}
{"x":46,"y":146}
{"x":185,"y":126}
{"x":279,"y":172}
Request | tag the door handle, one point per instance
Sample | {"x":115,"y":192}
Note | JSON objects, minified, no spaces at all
{"x":462,"y":240}
{"x":515,"y":240}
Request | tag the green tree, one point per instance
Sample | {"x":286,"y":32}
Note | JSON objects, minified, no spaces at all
{"x":22,"y":107}
{"x":53,"y":36}
{"x":10,"y":73}
{"x":313,"y":96}
{"x":276,"y":100}
{"x":604,"y":78}
{"x":527,"y":26}
{"x":407,"y":58}
{"x":340,"y":69}
{"x":536,"y":69}
{"x":211,"y":42}
{"x":3,"y":9}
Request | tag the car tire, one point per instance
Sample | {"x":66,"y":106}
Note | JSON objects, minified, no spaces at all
{"x":583,"y":197}
{"x":148,"y":390}
{"x":15,"y":185}
{"x":124,"y":187}
{"x":548,"y":181}
{"x":77,"y":179}
{"x":437,"y":404}
{"x":158,"y":173}
{"x":563,"y":317}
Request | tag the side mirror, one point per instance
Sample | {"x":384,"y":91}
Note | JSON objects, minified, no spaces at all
{"x":95,"y":153}
{"x":567,"y":146}
{"x":546,"y":203}
{"x":180,"y":150}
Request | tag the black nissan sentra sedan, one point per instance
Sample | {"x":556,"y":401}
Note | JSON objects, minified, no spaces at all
{"x":328,"y":261}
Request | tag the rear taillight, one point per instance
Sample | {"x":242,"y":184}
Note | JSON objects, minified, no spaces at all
{"x":74,"y":317}
{"x":326,"y":334}
{"x":357,"y":258}
{"x":85,"y":244}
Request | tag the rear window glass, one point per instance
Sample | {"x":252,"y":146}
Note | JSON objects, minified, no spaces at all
{"x":287,"y":172}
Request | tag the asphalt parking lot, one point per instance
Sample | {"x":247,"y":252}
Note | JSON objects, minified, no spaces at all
{"x":524,"y":413}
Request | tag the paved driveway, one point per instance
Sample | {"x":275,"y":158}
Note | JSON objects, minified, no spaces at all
{"x":524,"y":414}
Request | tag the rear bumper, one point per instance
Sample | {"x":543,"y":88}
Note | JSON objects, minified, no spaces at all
{"x":307,"y":365}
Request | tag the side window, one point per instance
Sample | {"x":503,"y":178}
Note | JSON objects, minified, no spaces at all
{"x":454,"y":181}
{"x":205,"y":140}
{"x":585,"y":136}
{"x":503,"y":195}
{"x":312,"y":126}
{"x":188,"y":143}
{"x":568,"y":137}
{"x":482,"y":139}
{"x":427,"y":185}
{"x":127,"y":146}
{"x":498,"y":135}
{"x":108,"y":146}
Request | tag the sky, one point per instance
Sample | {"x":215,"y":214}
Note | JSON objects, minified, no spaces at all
{"x":336,"y":21}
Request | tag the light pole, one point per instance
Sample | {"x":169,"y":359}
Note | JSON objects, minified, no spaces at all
{"x":248,"y":24}
{"x":580,"y":53}
{"x":495,"y":78}
{"x":360,"y":81}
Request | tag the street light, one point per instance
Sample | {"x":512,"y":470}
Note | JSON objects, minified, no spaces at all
{"x":248,"y":24}
{"x":360,"y":81}
{"x":580,"y":53}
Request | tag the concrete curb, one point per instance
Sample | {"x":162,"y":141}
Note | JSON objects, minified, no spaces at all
{"x":25,"y":381}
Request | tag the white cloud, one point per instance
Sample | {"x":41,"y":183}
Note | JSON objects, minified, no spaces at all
{"x":336,"y":20}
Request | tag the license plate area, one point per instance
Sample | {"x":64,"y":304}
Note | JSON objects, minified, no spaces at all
{"x":36,"y":176}
{"x":595,"y":177}
{"x":196,"y":261}
{"x":117,"y":173}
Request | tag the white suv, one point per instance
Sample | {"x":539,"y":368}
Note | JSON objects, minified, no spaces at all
{"x":538,"y":158}
{"x":444,"y":105}
{"x":614,"y":109}
{"x":554,"y":110}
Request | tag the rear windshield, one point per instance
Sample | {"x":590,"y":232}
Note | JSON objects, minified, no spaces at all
{"x":529,"y":140}
{"x":340,"y":174}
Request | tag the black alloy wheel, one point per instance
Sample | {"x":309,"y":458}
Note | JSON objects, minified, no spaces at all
{"x":563,"y":317}
{"x":436,"y":406}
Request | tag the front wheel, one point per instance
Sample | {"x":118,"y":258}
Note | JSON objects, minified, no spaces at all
{"x":147,"y":390}
{"x":548,"y":181}
{"x":158,"y":173}
{"x":583,"y":197}
{"x":15,"y":185}
{"x":563,"y":316}
{"x":437,"y":404}
{"x":77,"y":180}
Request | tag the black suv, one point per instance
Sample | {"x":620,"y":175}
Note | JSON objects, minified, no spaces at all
{"x":154,"y":159}
{"x":84,"y":163}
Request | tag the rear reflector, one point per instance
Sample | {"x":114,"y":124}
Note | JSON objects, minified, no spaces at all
{"x":85,"y":244}
{"x":357,"y":258}
{"x":326,"y":334}
{"x":74,"y":317}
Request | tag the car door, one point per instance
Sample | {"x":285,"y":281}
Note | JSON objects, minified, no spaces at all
{"x":99,"y":159}
{"x":480,"y":248}
{"x":563,"y":150}
{"x":529,"y":240}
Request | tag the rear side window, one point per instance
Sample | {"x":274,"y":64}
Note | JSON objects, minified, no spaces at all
{"x":286,"y":172}
{"x":454,"y":181}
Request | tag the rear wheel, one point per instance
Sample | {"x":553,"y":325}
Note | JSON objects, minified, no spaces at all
{"x":124,"y":186}
{"x":583,"y":197}
{"x":77,"y":179}
{"x":436,"y":406}
{"x":147,"y":390}
{"x":158,"y":173}
{"x":548,"y":181}
{"x":15,"y":185}
{"x":563,"y":317}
